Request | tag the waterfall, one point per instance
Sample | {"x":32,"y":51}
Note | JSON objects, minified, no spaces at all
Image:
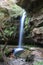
{"x":20,"y":49}
{"x":21,"y":29}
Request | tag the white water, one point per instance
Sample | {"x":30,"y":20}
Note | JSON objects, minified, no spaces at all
{"x":21,"y":29}
{"x":20,"y":49}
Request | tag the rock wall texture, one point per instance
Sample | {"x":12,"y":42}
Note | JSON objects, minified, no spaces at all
{"x":35,"y":9}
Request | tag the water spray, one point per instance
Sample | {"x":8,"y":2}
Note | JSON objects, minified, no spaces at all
{"x":22,"y":20}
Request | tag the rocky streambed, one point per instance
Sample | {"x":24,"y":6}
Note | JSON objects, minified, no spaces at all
{"x":32,"y":57}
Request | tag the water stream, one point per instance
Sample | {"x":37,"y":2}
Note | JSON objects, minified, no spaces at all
{"x":22,"y":20}
{"x":21,"y":29}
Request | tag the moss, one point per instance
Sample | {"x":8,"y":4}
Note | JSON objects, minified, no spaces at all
{"x":38,"y":63}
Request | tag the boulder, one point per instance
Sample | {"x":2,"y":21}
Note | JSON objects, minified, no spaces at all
{"x":37,"y":35}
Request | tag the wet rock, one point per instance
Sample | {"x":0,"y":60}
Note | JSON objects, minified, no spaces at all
{"x":38,"y":52}
{"x":1,"y":63}
{"x":30,"y":58}
{"x":18,"y":61}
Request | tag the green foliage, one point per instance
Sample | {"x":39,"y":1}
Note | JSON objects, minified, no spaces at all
{"x":9,"y":31}
{"x":27,"y":23}
{"x":0,"y":55}
{"x":16,"y":10}
{"x":38,"y":63}
{"x":6,"y":15}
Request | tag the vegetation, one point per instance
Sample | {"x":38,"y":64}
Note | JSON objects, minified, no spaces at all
{"x":10,"y":14}
{"x":38,"y":63}
{"x":9,"y":21}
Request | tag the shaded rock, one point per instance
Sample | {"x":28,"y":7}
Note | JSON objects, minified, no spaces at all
{"x":30,"y":58}
{"x":38,"y":54}
{"x":37,"y":35}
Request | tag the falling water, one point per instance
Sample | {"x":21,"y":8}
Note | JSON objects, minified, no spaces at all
{"x":21,"y":29}
{"x":20,"y":49}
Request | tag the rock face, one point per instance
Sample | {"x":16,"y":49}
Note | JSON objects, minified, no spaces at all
{"x":37,"y":32}
{"x":37,"y":17}
{"x":31,"y":5}
{"x":38,"y":35}
{"x":35,"y":8}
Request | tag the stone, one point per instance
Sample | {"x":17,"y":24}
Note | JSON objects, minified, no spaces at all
{"x":30,"y":58}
